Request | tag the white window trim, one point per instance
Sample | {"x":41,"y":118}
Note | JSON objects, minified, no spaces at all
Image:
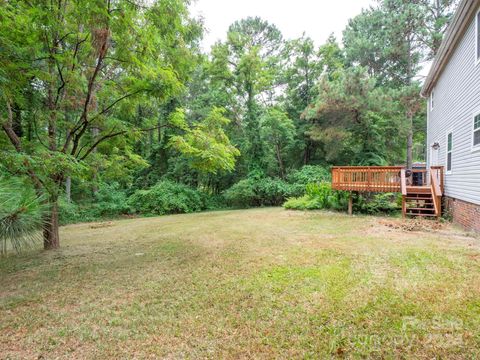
{"x":448,"y":172}
{"x":475,"y":148}
{"x":432,"y":99}
{"x":477,"y":39}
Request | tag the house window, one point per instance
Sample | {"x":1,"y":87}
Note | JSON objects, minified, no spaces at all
{"x":449,"y":151}
{"x":477,"y":35}
{"x":476,"y":131}
{"x":432,"y":96}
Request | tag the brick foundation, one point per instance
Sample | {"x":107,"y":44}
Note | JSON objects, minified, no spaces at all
{"x":464,"y":213}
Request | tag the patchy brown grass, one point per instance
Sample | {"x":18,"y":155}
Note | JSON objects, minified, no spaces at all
{"x":264,"y":283}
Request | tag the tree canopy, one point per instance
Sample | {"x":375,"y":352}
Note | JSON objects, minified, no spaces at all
{"x":102,"y":100}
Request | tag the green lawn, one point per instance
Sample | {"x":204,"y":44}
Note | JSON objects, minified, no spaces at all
{"x":262,"y":283}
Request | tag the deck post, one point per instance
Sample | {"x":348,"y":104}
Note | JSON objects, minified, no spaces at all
{"x":404,"y":207}
{"x":350,"y":204}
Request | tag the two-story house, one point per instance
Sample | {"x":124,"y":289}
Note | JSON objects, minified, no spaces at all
{"x":453,"y":131}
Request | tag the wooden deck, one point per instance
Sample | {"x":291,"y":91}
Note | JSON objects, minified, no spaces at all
{"x":422,"y":191}
{"x":367,"y":179}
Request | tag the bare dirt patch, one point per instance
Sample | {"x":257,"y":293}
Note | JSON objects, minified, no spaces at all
{"x":101,"y":225}
{"x":417,"y":224}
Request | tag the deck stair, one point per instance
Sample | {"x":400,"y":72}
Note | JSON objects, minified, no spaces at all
{"x":424,"y":200}
{"x":419,"y":203}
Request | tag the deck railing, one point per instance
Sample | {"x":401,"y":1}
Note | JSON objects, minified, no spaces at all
{"x":436,"y":179}
{"x":437,"y":172}
{"x":367,"y":179}
{"x":382,"y":178}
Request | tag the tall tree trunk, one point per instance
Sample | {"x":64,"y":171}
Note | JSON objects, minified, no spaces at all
{"x":253,"y":131}
{"x":17,"y":120}
{"x":68,"y":188}
{"x":280,"y":161}
{"x":150,"y":142}
{"x":51,"y":237}
{"x":410,"y":142}
{"x":52,"y":125}
{"x":159,"y":130}
{"x":307,"y":151}
{"x":95,"y":134}
{"x":68,"y":180}
{"x":409,"y":112}
{"x":29,"y":130}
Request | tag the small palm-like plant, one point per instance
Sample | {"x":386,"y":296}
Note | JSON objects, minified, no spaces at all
{"x":20,"y":216}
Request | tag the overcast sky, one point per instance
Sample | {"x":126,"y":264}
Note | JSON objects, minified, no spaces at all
{"x":317,"y":18}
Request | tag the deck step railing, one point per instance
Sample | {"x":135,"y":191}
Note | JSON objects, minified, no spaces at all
{"x":436,"y":178}
{"x":367,"y":179}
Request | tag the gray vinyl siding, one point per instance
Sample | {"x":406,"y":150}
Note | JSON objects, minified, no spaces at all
{"x":456,"y":101}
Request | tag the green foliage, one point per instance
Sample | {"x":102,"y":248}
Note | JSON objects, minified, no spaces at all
{"x":71,"y":212}
{"x":355,"y":122}
{"x":332,"y":57}
{"x":214,"y":202}
{"x":366,"y":44}
{"x":438,"y":15}
{"x":258,"y":191}
{"x":205,"y":144}
{"x":110,"y":201}
{"x":89,"y":79}
{"x":384,"y":203}
{"x":21,"y":215}
{"x":319,"y":196}
{"x":167,"y":197}
{"x":242,"y":194}
{"x":278,"y":131}
{"x":247,"y":66}
{"x":306,"y":175}
{"x":303,"y":68}
{"x":391,"y":40}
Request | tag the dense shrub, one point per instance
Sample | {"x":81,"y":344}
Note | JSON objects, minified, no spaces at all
{"x":273,"y":191}
{"x":71,"y":212}
{"x":307,"y":175}
{"x":215,"y":202}
{"x":319,"y":196}
{"x":377,"y":203}
{"x":110,"y":201}
{"x":242,"y":194}
{"x":256,"y":191}
{"x":167,"y":197}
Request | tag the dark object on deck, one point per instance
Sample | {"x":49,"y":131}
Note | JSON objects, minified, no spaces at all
{"x":417,"y":179}
{"x":419,"y":174}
